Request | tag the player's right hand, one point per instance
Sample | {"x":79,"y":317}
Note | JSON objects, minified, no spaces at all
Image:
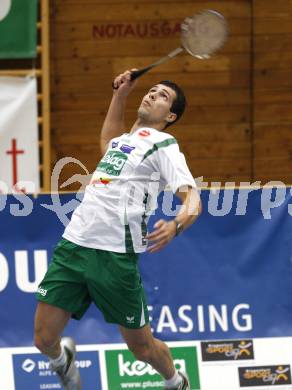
{"x":122,"y":84}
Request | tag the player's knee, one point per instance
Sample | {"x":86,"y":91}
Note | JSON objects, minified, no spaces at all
{"x":44,"y":340}
{"x":142,"y":352}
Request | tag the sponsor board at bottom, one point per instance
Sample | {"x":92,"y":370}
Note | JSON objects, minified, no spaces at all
{"x":215,"y":351}
{"x":125,"y":372}
{"x":31,"y":371}
{"x":264,"y":375}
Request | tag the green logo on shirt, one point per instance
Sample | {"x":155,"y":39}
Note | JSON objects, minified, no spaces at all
{"x":112,"y":163}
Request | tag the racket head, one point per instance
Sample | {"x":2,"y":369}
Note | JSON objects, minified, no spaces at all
{"x":204,"y":33}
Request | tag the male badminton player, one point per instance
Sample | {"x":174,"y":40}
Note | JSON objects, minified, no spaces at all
{"x":96,"y":260}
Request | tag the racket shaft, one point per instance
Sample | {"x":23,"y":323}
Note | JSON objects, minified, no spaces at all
{"x":137,"y":73}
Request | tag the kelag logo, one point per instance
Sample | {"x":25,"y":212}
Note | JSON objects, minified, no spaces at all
{"x":112,"y":163}
{"x":31,"y":371}
{"x":227,"y":350}
{"x":124,"y":372}
{"x":264,"y":375}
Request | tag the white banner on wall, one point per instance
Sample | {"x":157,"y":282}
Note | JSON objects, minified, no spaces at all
{"x":19,"y":153}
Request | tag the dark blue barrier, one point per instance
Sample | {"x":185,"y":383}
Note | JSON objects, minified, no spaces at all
{"x":225,"y":277}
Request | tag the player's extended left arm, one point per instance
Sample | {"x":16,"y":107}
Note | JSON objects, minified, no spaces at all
{"x":113,"y":125}
{"x":165,"y":231}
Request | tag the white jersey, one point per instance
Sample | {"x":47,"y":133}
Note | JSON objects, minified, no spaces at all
{"x":123,"y":191}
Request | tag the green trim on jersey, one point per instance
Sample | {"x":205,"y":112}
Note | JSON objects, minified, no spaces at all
{"x":129,"y":240}
{"x":162,"y":144}
{"x":143,"y":223}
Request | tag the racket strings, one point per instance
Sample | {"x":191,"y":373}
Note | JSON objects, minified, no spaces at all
{"x":204,"y":33}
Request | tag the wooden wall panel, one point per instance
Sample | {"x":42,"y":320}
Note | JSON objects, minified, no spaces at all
{"x":91,"y":43}
{"x":92,"y":11}
{"x":272,"y":119}
{"x":134,"y":48}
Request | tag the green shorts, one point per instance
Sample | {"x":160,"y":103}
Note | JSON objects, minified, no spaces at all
{"x":78,"y":276}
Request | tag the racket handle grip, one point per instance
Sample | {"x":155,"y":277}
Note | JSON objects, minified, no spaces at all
{"x":136,"y":73}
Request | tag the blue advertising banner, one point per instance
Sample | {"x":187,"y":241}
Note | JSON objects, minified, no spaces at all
{"x":31,"y":371}
{"x":228,"y":276}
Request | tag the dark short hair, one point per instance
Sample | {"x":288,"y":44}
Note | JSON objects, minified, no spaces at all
{"x":179,"y":103}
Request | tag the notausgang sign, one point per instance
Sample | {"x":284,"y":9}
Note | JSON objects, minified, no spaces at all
{"x":136,"y":30}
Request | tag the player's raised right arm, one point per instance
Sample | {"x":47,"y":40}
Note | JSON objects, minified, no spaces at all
{"x":113,"y":125}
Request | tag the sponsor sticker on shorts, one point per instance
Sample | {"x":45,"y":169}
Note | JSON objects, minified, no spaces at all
{"x":42,"y":291}
{"x":213,"y":351}
{"x":124,"y":372}
{"x":264,"y":375}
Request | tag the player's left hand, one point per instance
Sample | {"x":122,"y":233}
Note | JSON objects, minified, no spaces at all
{"x":162,"y":234}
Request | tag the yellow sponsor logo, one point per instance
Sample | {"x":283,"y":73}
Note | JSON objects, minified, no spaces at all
{"x":220,"y":348}
{"x":260,"y":373}
{"x":268,"y":375}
